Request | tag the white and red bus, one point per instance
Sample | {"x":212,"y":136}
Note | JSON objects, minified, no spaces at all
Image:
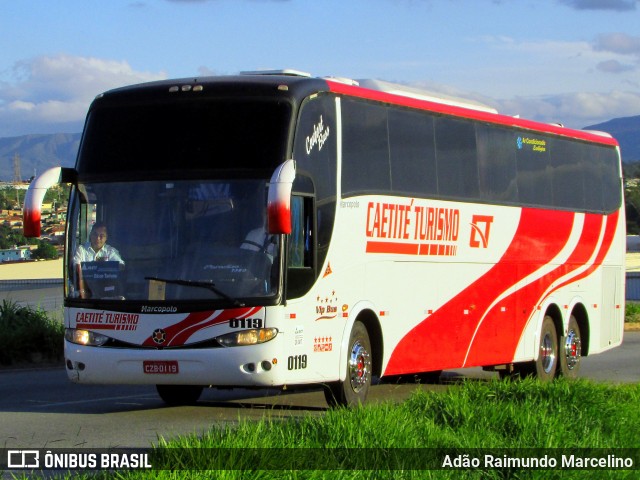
{"x":276,"y":230}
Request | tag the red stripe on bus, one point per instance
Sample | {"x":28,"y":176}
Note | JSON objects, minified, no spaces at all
{"x":395,"y":99}
{"x":441,"y":341}
{"x":226,"y":315}
{"x":180,"y":332}
{"x":392,"y":247}
{"x":607,"y":241}
{"x":400,"y":248}
{"x":505,"y":334}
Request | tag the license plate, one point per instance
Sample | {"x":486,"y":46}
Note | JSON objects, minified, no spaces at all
{"x":160,"y":366}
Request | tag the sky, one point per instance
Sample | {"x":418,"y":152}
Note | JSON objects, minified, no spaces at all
{"x":571,"y":61}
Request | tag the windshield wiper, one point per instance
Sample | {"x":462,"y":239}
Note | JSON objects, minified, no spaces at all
{"x":194,"y":283}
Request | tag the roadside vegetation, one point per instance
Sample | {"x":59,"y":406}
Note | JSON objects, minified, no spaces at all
{"x":632,"y":313}
{"x":523,"y":418}
{"x":28,"y":335}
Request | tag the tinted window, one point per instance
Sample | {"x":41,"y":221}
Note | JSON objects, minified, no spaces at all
{"x":365,"y":148}
{"x":610,"y":178}
{"x":398,"y":151}
{"x":456,"y":158}
{"x":534,"y":179}
{"x":567,"y":173}
{"x":411,"y":146}
{"x":315,"y":145}
{"x":207,"y":135}
{"x":496,"y":163}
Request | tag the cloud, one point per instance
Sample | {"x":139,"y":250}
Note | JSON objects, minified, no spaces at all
{"x":575,"y":110}
{"x":614,"y":66}
{"x":616,"y":5}
{"x":610,"y":53}
{"x":619,"y":43}
{"x":51,"y":94}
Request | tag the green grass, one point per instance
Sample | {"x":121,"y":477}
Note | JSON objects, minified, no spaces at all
{"x":493,"y":416}
{"x":632,"y":312}
{"x":28,"y":334}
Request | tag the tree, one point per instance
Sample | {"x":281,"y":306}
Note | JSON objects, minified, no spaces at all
{"x":44,"y":251}
{"x":10,"y":238}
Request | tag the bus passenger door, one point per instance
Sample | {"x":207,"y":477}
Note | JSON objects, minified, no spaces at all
{"x":300,"y":258}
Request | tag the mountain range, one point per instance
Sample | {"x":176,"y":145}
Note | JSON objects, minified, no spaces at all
{"x":42,"y":151}
{"x":627,"y":131}
{"x":36,"y":154}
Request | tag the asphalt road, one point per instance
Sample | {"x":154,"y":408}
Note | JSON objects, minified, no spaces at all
{"x":40,"y":408}
{"x":47,"y":297}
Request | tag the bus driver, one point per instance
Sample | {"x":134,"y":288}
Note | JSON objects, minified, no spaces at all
{"x":96,"y":249}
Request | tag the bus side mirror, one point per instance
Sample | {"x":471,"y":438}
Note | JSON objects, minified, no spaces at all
{"x":32,"y":211}
{"x":279,"y":199}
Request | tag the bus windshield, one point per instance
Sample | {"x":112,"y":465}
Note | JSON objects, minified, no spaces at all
{"x":189,"y":137}
{"x":171,"y":241}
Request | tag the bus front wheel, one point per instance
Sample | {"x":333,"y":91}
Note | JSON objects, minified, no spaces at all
{"x":355,"y":387}
{"x":175,"y":395}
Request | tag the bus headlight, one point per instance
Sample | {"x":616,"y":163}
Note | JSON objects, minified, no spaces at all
{"x":247,"y":337}
{"x":85,"y":337}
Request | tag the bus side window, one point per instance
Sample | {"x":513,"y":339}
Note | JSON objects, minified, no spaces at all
{"x":300,"y":238}
{"x":300,"y":272}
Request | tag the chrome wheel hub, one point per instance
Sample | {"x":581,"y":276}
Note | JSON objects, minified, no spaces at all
{"x":359,"y":367}
{"x":547,"y":354}
{"x":572,"y":349}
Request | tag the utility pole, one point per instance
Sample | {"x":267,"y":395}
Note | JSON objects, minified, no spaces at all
{"x":17,"y":177}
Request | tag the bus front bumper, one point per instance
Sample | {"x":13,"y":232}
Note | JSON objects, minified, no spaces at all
{"x":248,"y":366}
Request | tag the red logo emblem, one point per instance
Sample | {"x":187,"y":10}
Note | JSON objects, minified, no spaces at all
{"x":159,"y":336}
{"x":480,"y":229}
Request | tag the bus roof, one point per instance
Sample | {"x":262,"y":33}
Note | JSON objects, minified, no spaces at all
{"x":464,"y":109}
{"x":297,"y":85}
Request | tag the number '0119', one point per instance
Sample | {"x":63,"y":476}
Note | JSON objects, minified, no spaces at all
{"x":297,"y":362}
{"x":245,"y":323}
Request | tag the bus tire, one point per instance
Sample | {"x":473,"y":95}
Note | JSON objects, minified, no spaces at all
{"x":571,"y":350}
{"x":355,"y":387}
{"x":176,"y":395}
{"x":547,"y":363}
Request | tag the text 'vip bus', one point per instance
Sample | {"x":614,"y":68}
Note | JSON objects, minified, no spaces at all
{"x":274,"y":230}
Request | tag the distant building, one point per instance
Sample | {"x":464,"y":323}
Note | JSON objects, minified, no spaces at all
{"x":13,"y":221}
{"x":54,"y":234}
{"x":15,"y":254}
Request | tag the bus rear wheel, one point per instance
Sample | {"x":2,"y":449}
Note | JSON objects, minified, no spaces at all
{"x":176,"y":395}
{"x":355,"y":387}
{"x":571,"y":350}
